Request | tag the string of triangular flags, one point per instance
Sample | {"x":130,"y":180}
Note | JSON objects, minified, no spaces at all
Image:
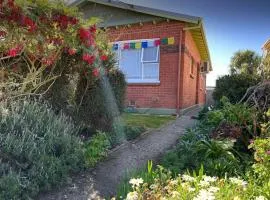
{"x":144,"y":44}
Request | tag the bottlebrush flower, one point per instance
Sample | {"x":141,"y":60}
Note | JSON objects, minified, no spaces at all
{"x":73,"y":20}
{"x":89,"y":58}
{"x":104,"y":57}
{"x":72,"y":51}
{"x":95,"y":72}
{"x":93,"y":29}
{"x":84,"y":34}
{"x":13,"y":52}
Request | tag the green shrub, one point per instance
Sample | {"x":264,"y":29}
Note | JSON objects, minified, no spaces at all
{"x":102,"y":101}
{"x":234,"y":86}
{"x":38,"y":149}
{"x":132,"y":132}
{"x":214,"y":118}
{"x":96,"y":149}
{"x":203,"y":112}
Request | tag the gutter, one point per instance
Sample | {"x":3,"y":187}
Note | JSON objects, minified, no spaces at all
{"x":201,"y":27}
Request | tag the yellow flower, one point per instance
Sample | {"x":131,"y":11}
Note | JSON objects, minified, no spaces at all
{"x":236,"y":198}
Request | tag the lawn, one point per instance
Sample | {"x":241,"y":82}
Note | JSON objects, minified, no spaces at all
{"x":147,"y":121}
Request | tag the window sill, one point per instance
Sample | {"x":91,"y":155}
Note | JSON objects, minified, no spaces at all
{"x":143,"y":82}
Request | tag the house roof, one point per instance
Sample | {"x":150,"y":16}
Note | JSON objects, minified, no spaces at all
{"x":194,"y":24}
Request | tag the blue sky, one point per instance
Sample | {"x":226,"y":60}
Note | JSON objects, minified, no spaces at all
{"x":230,"y":25}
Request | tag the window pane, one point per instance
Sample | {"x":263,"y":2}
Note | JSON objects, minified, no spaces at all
{"x":130,"y":63}
{"x":151,"y":71}
{"x":150,"y":54}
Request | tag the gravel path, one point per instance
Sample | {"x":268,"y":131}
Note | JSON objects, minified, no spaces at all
{"x":103,"y":180}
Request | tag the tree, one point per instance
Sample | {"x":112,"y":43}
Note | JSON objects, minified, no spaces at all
{"x":245,"y":62}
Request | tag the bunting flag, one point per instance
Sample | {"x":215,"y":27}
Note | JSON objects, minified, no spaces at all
{"x":138,"y":45}
{"x":171,"y":40}
{"x":126,"y":46}
{"x":157,"y":43}
{"x":145,"y":44}
{"x":115,"y":47}
{"x":164,"y":41}
{"x":132,"y":45}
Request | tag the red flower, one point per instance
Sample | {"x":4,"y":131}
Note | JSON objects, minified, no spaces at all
{"x":95,"y":72}
{"x":89,"y":58}
{"x":84,"y":34}
{"x":104,"y":57}
{"x":71,"y":51}
{"x":11,"y":3}
{"x":73,"y":20}
{"x":12,"y":52}
{"x":29,"y":23}
{"x":93,"y":29}
{"x":3,"y":33}
{"x":268,"y":152}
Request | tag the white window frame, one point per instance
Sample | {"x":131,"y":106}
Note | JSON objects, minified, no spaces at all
{"x":143,"y":63}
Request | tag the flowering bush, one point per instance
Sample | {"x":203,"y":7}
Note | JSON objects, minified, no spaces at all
{"x":36,"y":36}
{"x":162,"y":185}
{"x":186,"y":187}
{"x":262,"y":156}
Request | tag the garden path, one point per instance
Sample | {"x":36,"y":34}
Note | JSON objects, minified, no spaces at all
{"x":103,"y":180}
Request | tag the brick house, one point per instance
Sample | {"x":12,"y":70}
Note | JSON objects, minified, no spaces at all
{"x":164,"y":55}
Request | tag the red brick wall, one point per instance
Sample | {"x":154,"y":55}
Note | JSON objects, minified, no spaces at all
{"x":163,"y":95}
{"x":192,"y":92}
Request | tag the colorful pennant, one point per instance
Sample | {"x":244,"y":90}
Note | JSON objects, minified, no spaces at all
{"x":115,"y":47}
{"x":171,"y":40}
{"x":145,"y":44}
{"x":138,"y":45}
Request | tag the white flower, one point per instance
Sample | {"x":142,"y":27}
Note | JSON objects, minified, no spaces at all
{"x":191,"y":189}
{"x":238,"y":182}
{"x":213,"y":189}
{"x":236,"y":198}
{"x":136,"y":181}
{"x":209,"y":178}
{"x":204,"y":183}
{"x":153,"y":187}
{"x":260,"y":198}
{"x":188,"y":178}
{"x":174,"y":182}
{"x":175,"y":194}
{"x":132,"y":196}
{"x":204,"y":195}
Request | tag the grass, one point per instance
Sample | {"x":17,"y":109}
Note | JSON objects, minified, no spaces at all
{"x":147,"y":121}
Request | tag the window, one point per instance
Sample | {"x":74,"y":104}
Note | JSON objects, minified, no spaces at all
{"x":140,"y":65}
{"x":191,"y":65}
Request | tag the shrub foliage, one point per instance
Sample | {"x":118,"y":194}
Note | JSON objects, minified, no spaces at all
{"x":38,"y":149}
{"x":234,"y":86}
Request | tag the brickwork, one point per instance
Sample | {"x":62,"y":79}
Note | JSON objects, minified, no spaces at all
{"x":164,"y":95}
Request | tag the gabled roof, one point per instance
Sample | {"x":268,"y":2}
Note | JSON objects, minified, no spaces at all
{"x":142,"y":9}
{"x":194,"y":24}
